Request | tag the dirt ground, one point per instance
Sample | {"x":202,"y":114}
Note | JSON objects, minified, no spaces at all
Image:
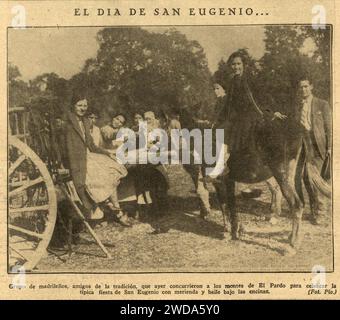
{"x":193,"y":245}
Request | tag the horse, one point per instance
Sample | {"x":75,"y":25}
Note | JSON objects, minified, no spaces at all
{"x":278,"y":146}
{"x":198,"y":175}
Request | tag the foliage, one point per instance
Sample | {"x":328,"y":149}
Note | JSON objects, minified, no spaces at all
{"x":291,"y":52}
{"x":139,"y":70}
{"x":51,"y":86}
{"x":18,"y":90}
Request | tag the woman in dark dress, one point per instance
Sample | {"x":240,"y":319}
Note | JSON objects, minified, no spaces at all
{"x":244,"y":126}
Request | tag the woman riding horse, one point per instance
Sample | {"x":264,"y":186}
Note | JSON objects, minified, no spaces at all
{"x":258,"y":146}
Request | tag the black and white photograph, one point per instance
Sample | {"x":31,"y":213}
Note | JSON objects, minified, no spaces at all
{"x":170,"y":149}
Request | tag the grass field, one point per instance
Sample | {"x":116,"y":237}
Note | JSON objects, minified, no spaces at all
{"x":193,"y":245}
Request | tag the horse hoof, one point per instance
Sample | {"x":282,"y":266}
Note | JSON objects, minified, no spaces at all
{"x":289,"y":252}
{"x":204,"y":214}
{"x":273,"y":221}
{"x":203,"y":217}
{"x":235,"y":237}
{"x":226,"y":236}
{"x":242,"y":231}
{"x":294,"y":241}
{"x":227,"y":229}
{"x":295,"y":245}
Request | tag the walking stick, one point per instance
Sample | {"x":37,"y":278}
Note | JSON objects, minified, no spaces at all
{"x":88,"y":227}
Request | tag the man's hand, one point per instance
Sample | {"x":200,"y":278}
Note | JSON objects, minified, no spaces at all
{"x":279,"y":115}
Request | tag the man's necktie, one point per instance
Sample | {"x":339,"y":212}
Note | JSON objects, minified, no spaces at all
{"x":305,"y":118}
{"x":82,"y":128}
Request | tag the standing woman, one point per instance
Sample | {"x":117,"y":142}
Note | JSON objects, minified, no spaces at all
{"x":94,"y":170}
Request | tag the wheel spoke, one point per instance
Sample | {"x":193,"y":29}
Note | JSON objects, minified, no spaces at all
{"x":19,"y":252}
{"x":16,"y":164}
{"x":27,"y":209}
{"x":44,"y":202}
{"x":30,"y":233}
{"x":25,"y":186}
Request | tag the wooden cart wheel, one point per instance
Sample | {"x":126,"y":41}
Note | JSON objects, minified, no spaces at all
{"x":32,"y":206}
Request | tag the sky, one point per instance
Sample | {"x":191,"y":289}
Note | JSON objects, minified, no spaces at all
{"x":64,"y":50}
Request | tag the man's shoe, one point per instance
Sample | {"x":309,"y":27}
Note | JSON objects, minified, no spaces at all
{"x":316,"y":220}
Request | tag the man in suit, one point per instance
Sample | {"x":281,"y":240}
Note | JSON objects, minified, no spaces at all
{"x":314,"y":121}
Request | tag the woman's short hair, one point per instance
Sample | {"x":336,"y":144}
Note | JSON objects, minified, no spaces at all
{"x":77,"y":96}
{"x":242,"y":54}
{"x":119,"y":115}
{"x":138,"y":113}
{"x":305,"y":77}
{"x":93,"y":112}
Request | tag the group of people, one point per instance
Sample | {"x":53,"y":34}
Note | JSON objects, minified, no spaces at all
{"x":309,"y":123}
{"x":100,"y":180}
{"x":96,"y":173}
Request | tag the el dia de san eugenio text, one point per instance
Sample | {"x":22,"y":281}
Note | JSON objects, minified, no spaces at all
{"x":203,"y":11}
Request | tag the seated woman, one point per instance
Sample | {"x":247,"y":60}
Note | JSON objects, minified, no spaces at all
{"x":137,"y":120}
{"x":94,"y":170}
{"x":156,"y":178}
{"x":94,"y":129}
{"x":109,"y":132}
{"x":126,"y":190}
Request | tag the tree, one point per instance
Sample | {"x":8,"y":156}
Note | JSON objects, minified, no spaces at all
{"x":139,"y":70}
{"x":50,"y":87}
{"x":18,"y":90}
{"x":290,"y":53}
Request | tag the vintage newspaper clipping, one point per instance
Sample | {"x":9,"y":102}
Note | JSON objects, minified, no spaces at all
{"x":169,"y":149}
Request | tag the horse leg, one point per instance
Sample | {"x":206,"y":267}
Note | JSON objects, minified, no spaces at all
{"x":294,"y":204}
{"x":234,"y":215}
{"x":221,"y":197}
{"x":276,"y":201}
{"x":196,"y":175}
